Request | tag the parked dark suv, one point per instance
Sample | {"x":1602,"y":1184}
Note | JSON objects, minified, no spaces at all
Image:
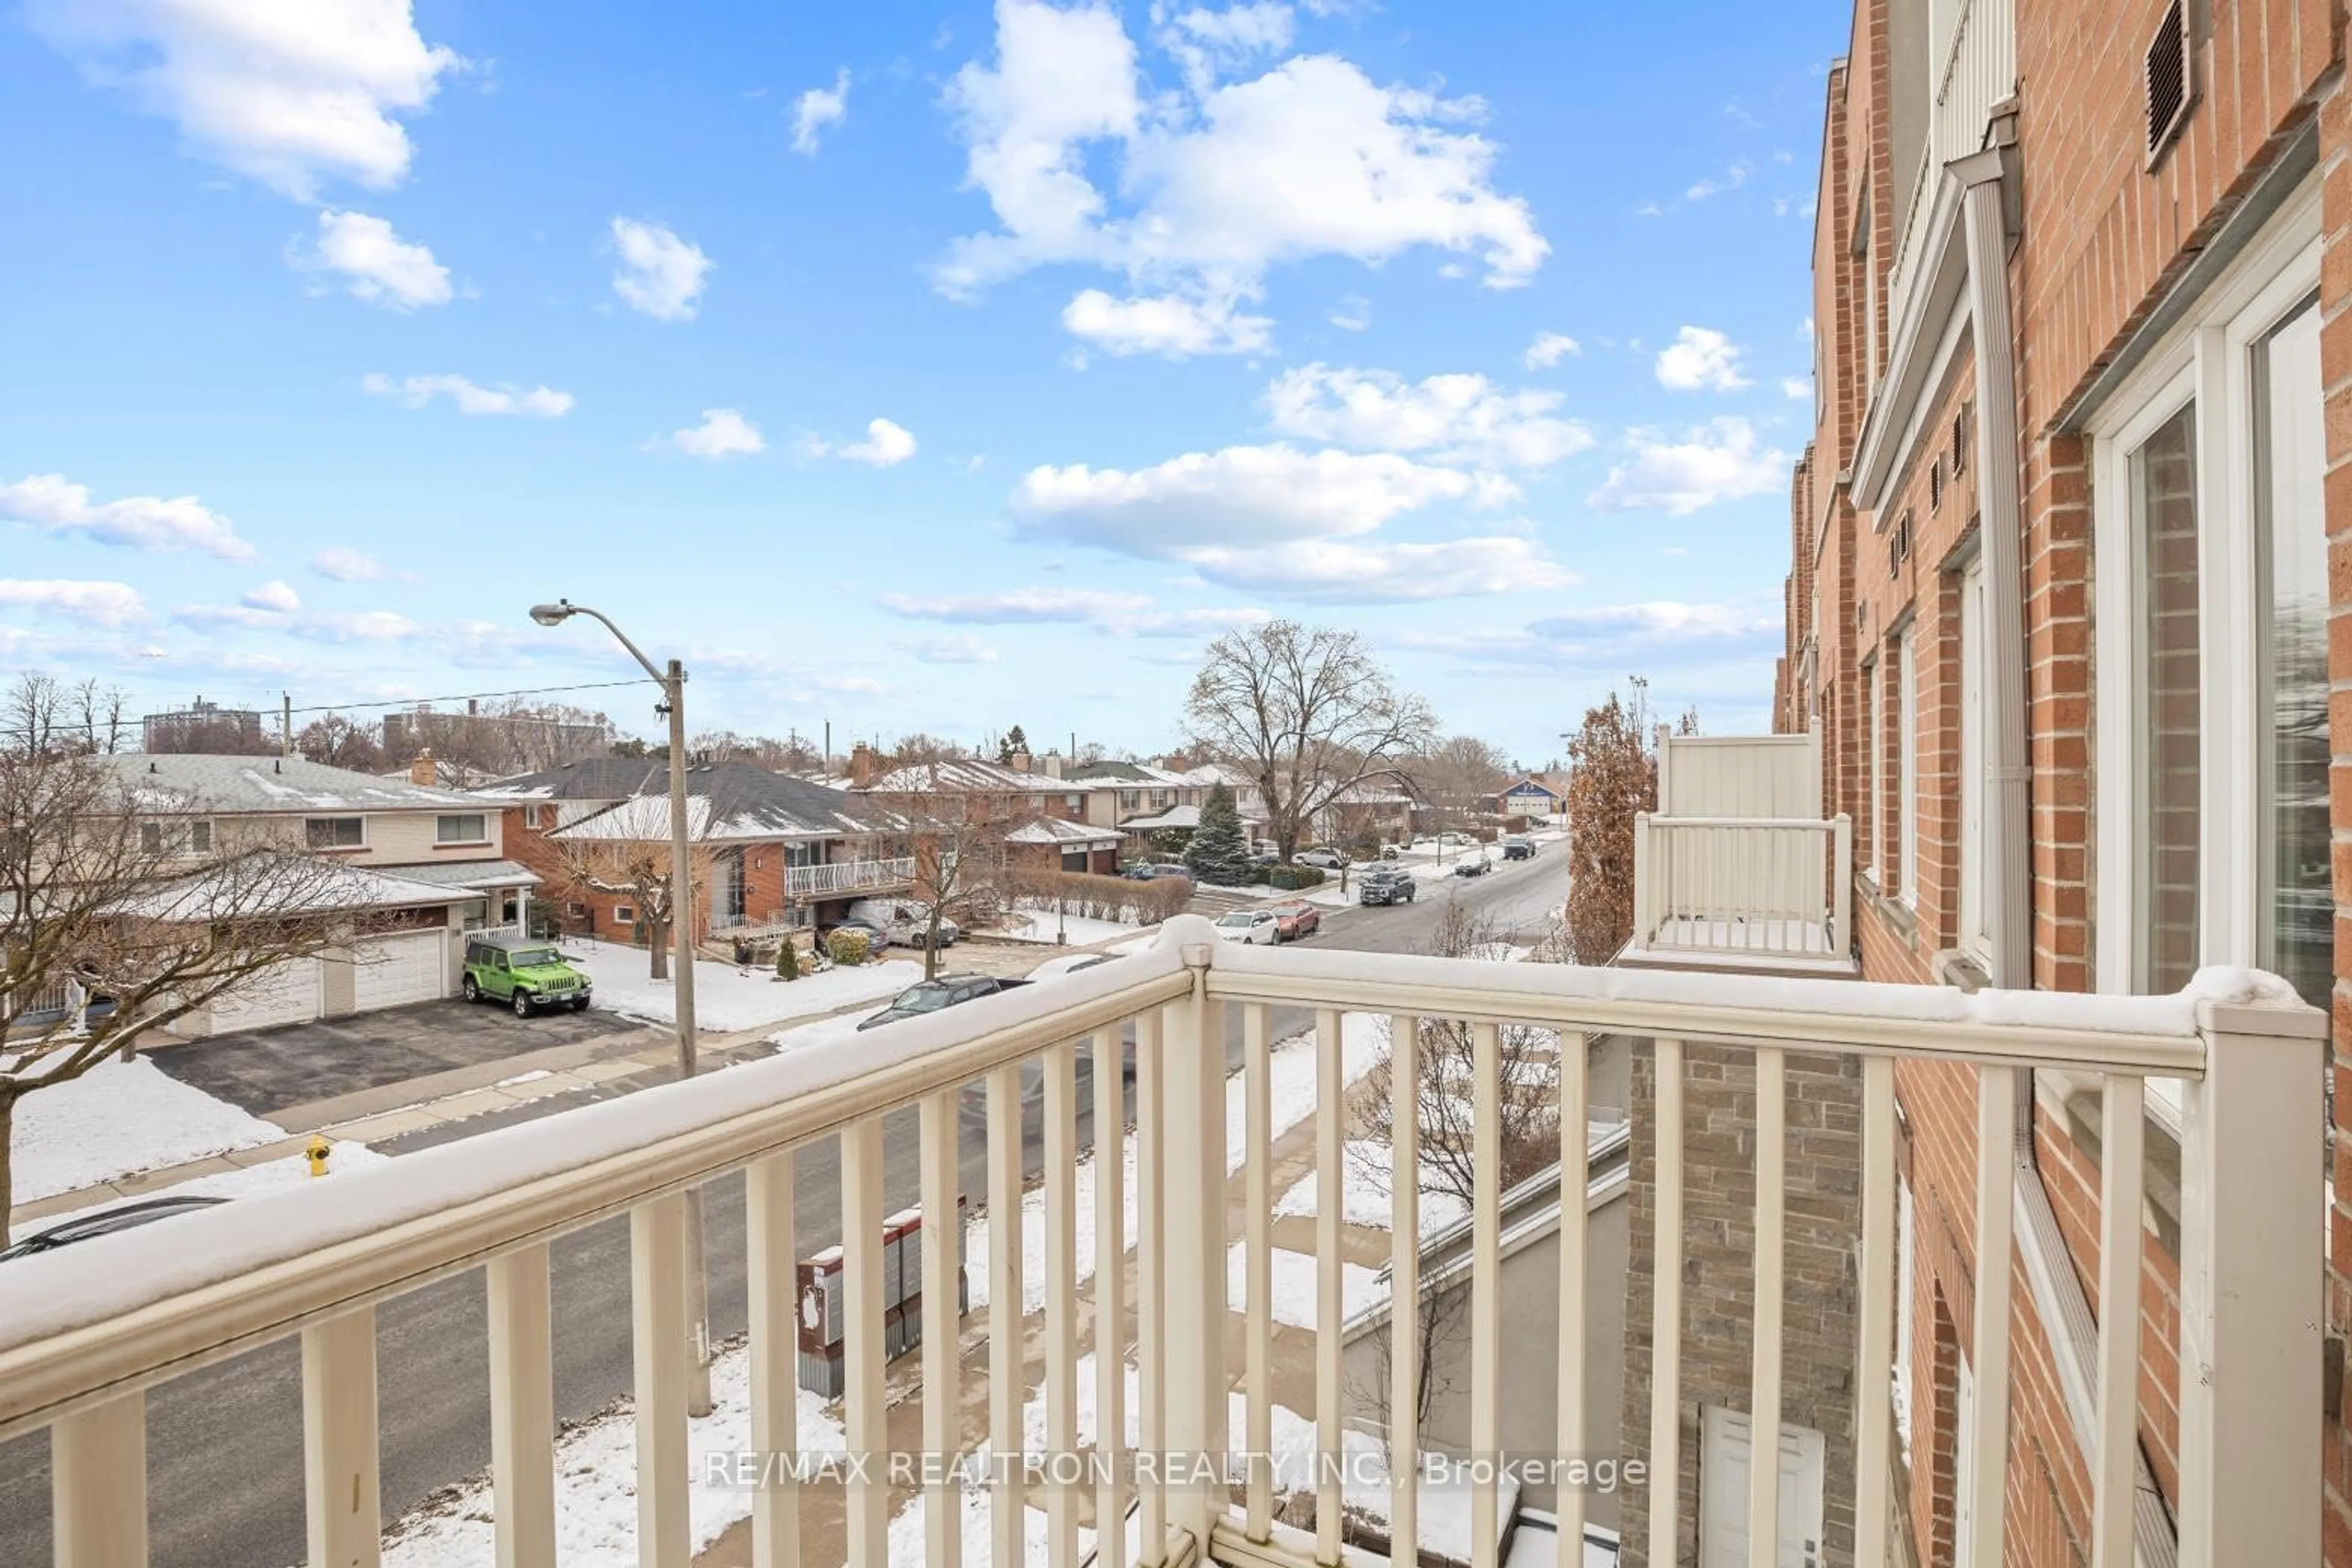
{"x":1385,"y":885}
{"x":1518,"y":846}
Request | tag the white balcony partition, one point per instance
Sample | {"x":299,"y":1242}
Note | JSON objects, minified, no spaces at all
{"x":1743,"y":888}
{"x":84,"y":1332}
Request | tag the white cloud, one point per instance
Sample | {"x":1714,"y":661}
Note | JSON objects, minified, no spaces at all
{"x":1238,"y":495}
{"x":1170,"y":325}
{"x":1718,"y":461}
{"x":1457,"y":418}
{"x":1658,"y":617}
{"x":365,"y":626}
{"x":289,"y":93}
{"x":344,"y":564}
{"x":659,"y":274}
{"x":1797,"y":388}
{"x":818,"y":107}
{"x":1549,"y":349}
{"x":1733,"y":178}
{"x":378,"y":266}
{"x":274,"y":596}
{"x":1700,"y":358}
{"x":54,"y":504}
{"x":1192,"y":623}
{"x":723,"y":433}
{"x":1352,"y":314}
{"x":416,"y":391}
{"x":1349,"y":572}
{"x":960,"y":648}
{"x":102,"y":604}
{"x":885,"y":445}
{"x":1017,"y":606}
{"x":1218,"y":183}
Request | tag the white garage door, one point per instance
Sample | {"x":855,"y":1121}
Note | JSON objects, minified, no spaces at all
{"x":391,"y":970}
{"x":287,"y":993}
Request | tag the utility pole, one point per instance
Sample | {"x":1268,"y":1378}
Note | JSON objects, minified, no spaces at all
{"x":286,"y":724}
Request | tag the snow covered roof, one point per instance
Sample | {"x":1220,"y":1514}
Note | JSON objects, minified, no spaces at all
{"x":195,"y":782}
{"x":1111,"y":773}
{"x":1054,"y":830}
{"x":1174,"y":816}
{"x":1208,"y":774}
{"x":966,"y":775}
{"x":590,"y":778}
{"x":472,"y":874}
{"x":256,"y":887}
{"x":733,"y":803}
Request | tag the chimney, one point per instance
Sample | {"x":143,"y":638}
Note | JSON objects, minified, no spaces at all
{"x":1021,"y":763}
{"x":422,"y":771}
{"x":861,"y":765}
{"x":1055,"y":764}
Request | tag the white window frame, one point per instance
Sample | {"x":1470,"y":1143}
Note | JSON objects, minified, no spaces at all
{"x":1874,"y":745}
{"x":182,"y":837}
{"x":1906,"y":776}
{"x":335,"y":816}
{"x":2208,"y":358}
{"x":482,"y":817}
{"x":1974,"y":933}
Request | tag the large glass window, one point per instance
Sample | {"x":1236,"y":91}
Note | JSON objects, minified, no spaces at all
{"x":1874,"y":827}
{"x":1974,"y":927}
{"x":2164,"y":523}
{"x":2290,"y":464}
{"x":1906,"y":747}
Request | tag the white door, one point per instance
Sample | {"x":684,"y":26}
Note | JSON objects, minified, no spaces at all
{"x":286,"y":992}
{"x":1723,"y":1492}
{"x":394,"y":970}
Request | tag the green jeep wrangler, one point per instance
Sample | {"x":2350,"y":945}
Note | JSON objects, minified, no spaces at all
{"x":524,"y":971}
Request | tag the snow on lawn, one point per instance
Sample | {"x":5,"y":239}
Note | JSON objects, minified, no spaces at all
{"x":117,"y":1118}
{"x":1369,"y":1177}
{"x":727,"y":999}
{"x":1363,"y":1044}
{"x":596,"y":1483}
{"x":1040,"y":925}
{"x":1033,"y":1232}
{"x":1053,"y":968}
{"x":291,"y":1171}
{"x":1294,"y":1281}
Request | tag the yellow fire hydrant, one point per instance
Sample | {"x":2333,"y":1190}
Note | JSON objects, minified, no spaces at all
{"x":317,"y":1152}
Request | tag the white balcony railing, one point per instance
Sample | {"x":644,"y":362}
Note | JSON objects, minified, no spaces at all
{"x":1745,"y":889}
{"x":87,"y":1331}
{"x":1972,"y":66}
{"x":845,"y":877}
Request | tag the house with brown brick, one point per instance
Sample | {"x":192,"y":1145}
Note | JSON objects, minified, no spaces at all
{"x":2065,"y":611}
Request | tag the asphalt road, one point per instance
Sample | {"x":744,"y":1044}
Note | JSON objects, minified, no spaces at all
{"x":224,"y":1445}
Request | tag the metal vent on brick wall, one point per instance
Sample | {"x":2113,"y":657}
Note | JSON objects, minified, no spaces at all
{"x":1898,"y":546}
{"x":1936,"y":483}
{"x":1960,"y":440}
{"x":2168,"y":86}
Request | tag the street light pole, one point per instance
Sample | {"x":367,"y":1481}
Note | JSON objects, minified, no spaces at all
{"x":672,"y":680}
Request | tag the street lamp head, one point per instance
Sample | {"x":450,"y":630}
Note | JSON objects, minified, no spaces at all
{"x":554,"y":614}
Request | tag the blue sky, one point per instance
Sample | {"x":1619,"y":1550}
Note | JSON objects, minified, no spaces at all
{"x":931,"y":367}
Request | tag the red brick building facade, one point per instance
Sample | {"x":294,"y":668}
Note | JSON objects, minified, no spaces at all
{"x":2069,"y":606}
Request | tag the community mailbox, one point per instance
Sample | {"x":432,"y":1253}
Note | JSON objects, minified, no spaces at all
{"x":824,"y":1297}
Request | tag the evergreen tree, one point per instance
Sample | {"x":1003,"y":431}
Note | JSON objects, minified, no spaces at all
{"x":788,"y":959}
{"x":1016,"y":743}
{"x":1218,"y":853}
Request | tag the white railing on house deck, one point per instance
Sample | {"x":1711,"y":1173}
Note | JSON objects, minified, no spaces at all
{"x":1972,"y":59}
{"x":847,"y":877}
{"x":1750,"y":888}
{"x":87,"y":1331}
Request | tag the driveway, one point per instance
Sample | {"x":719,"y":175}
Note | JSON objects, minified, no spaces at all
{"x":264,"y":1070}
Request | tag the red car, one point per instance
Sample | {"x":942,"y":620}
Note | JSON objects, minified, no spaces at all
{"x":1292,"y":922}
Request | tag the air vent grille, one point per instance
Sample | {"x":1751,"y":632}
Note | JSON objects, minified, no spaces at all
{"x":2168,"y":94}
{"x":1899,"y":547}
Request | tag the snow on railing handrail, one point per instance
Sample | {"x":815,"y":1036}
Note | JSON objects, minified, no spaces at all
{"x":1818,"y":824}
{"x":118,"y":1312}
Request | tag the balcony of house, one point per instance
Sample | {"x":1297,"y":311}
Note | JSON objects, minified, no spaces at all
{"x":841,"y":878}
{"x":1969,"y":54}
{"x":1737,"y":868}
{"x":1199,"y":1222}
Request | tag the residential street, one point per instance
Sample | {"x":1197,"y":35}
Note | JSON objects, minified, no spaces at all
{"x":224,"y":1446}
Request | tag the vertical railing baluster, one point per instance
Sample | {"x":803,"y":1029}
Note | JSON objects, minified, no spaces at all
{"x":942,"y":1252}
{"x":1666,"y":1311}
{"x":1150,"y":1292}
{"x":1195,"y":1199}
{"x":97,"y":1484}
{"x":1110,"y":1267}
{"x":657,"y":1356}
{"x":1405,"y":1288}
{"x":1575,"y":1179}
{"x":1062,"y":1308}
{"x":866,"y":1414}
{"x":340,"y":1480}
{"x":1996,"y":1230}
{"x":1008,"y":1529}
{"x":1764,"y":1407}
{"x":1330,"y":1306}
{"x":1485,"y":1291}
{"x":769,"y":1277}
{"x":1258,"y":1154}
{"x":2122,"y":1139}
{"x":1874,"y":1383}
{"x":523,"y":1408}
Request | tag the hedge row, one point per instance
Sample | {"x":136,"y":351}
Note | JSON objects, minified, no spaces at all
{"x":1102,"y":898}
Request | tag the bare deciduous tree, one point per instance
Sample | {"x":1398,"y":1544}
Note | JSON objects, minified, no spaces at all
{"x":1306,"y":713}
{"x":1612,"y":777}
{"x":341,"y":743}
{"x":639,"y":868}
{"x":955,"y":836}
{"x":1457,"y":777}
{"x":116,"y":916}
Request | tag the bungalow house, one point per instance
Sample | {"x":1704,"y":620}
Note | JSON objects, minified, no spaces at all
{"x":984,"y":790}
{"x":1050,"y":843}
{"x":1532,"y":795}
{"x":771,"y":851}
{"x":419,"y":867}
